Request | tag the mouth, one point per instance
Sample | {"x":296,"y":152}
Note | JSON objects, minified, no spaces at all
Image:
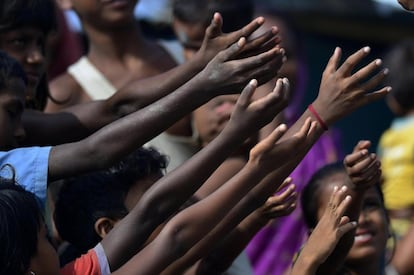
{"x":363,"y":237}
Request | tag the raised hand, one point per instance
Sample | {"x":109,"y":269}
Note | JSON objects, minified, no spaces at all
{"x":270,"y":154}
{"x":215,"y":40}
{"x":280,"y":204}
{"x":363,"y":168}
{"x":332,"y":226}
{"x":226,"y":75}
{"x":342,"y":91}
{"x":251,"y":115}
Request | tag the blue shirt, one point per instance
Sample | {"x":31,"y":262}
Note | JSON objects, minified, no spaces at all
{"x":30,"y":167}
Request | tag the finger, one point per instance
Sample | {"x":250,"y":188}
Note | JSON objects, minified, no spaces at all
{"x":247,"y":30}
{"x":343,"y":205}
{"x":377,"y":95}
{"x":343,"y":229}
{"x":352,"y":61}
{"x":362,"y":144}
{"x":275,"y":135}
{"x":363,"y":164}
{"x":305,"y":128}
{"x":280,"y":198}
{"x":351,"y":159}
{"x":360,"y":76}
{"x":246,"y":95}
{"x":285,"y":183}
{"x":214,"y":29}
{"x":268,"y":40}
{"x":334,"y":61}
{"x":232,"y":51}
{"x":338,"y":197}
{"x":375,"y":80}
{"x":248,"y":63}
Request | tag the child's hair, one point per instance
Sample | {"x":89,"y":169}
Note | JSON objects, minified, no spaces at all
{"x":236,"y":13}
{"x":41,"y":14}
{"x":21,"y":220}
{"x":19,"y":13}
{"x":311,"y":192}
{"x":83,"y":200}
{"x":400,"y":61}
{"x":9,"y":69}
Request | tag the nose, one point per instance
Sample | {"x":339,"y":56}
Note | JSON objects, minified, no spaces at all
{"x":35,"y":55}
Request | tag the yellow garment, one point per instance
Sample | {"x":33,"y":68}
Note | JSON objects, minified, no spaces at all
{"x":396,"y":151}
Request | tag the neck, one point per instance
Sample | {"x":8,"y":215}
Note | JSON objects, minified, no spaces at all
{"x":114,"y":42}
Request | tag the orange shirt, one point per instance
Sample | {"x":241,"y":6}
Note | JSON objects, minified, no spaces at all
{"x":92,"y":263}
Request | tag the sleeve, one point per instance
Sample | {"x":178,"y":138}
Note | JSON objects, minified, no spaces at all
{"x":92,"y":263}
{"x":30,"y":167}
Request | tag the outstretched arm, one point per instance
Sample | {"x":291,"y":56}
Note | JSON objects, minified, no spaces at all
{"x":222,"y":74}
{"x":79,"y":121}
{"x":342,"y":91}
{"x":165,"y":197}
{"x":326,"y":235}
{"x":266,"y":157}
{"x":190,"y":225}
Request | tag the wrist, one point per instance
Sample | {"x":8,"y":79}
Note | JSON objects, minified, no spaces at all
{"x":318,"y":117}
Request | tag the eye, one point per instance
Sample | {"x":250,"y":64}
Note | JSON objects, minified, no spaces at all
{"x":371,"y":205}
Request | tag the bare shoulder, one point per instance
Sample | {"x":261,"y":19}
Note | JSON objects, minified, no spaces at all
{"x":160,"y":57}
{"x":64,"y":92}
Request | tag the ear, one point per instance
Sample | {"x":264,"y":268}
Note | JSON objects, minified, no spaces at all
{"x":65,"y":4}
{"x":103,"y":226}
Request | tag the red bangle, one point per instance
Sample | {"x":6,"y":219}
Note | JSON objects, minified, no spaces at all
{"x":318,"y":118}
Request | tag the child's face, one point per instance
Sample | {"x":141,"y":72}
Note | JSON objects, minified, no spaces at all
{"x":211,"y":118}
{"x":11,"y":109}
{"x":107,"y":12}
{"x":372,"y":232}
{"x":190,"y":36}
{"x":45,"y":261}
{"x":27,"y":46}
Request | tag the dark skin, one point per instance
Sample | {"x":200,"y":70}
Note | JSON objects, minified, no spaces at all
{"x":185,"y":229}
{"x":157,"y":204}
{"x":338,"y":88}
{"x":82,"y":120}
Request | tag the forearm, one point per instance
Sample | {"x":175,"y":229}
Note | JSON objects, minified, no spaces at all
{"x":158,"y":203}
{"x":185,"y":229}
{"x":140,"y":93}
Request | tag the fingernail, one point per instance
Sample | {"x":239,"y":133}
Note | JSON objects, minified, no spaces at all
{"x":343,"y":189}
{"x":386,"y":71}
{"x":389,"y":89}
{"x":348,"y":198}
{"x":378,"y":62}
{"x":354,"y":223}
{"x":367,"y":49}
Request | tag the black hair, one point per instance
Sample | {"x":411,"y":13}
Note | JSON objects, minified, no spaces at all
{"x":9,"y":69}
{"x":235,"y":13}
{"x":41,"y":14}
{"x":21,"y":220}
{"x":19,"y":13}
{"x":85,"y":199}
{"x":311,"y":192}
{"x":400,"y":61}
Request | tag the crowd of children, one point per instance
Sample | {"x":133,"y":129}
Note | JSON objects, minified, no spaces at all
{"x":254,"y":180}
